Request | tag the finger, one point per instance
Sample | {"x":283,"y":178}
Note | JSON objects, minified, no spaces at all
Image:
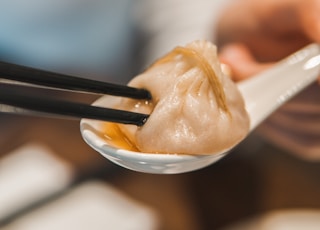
{"x":308,"y":13}
{"x":241,"y":62}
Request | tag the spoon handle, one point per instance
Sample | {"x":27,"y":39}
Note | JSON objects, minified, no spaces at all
{"x":266,"y":92}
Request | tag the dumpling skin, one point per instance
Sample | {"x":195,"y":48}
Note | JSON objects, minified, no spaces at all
{"x":186,"y":116}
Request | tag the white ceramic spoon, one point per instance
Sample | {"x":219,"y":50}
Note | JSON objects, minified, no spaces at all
{"x":263,"y":94}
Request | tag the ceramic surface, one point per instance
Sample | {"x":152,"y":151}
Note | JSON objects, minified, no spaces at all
{"x":263,"y":94}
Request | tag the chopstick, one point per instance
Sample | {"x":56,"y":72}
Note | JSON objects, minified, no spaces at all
{"x":61,"y":81}
{"x":14,"y":95}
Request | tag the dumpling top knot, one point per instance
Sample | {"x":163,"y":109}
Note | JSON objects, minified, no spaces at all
{"x":195,"y":58}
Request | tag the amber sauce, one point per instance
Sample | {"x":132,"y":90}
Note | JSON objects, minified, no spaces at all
{"x":116,"y":138}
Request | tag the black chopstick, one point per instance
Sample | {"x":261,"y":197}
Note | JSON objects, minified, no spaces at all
{"x":61,"y":81}
{"x":14,"y":95}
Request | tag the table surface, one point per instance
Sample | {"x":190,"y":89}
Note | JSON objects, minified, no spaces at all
{"x":241,"y":185}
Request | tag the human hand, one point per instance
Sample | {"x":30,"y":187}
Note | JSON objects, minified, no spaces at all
{"x":252,"y":34}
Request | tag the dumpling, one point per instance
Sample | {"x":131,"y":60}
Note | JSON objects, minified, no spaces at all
{"x":195,"y":108}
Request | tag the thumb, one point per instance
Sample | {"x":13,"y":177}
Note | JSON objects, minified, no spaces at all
{"x":241,"y":62}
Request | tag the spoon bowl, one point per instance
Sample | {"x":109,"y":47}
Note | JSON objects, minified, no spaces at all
{"x":262,"y":94}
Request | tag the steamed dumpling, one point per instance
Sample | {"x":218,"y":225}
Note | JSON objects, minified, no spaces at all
{"x":195,"y":108}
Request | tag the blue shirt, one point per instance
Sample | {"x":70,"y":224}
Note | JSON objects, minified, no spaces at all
{"x":93,"y":38}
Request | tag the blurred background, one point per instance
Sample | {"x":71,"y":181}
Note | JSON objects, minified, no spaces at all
{"x":49,"y":177}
